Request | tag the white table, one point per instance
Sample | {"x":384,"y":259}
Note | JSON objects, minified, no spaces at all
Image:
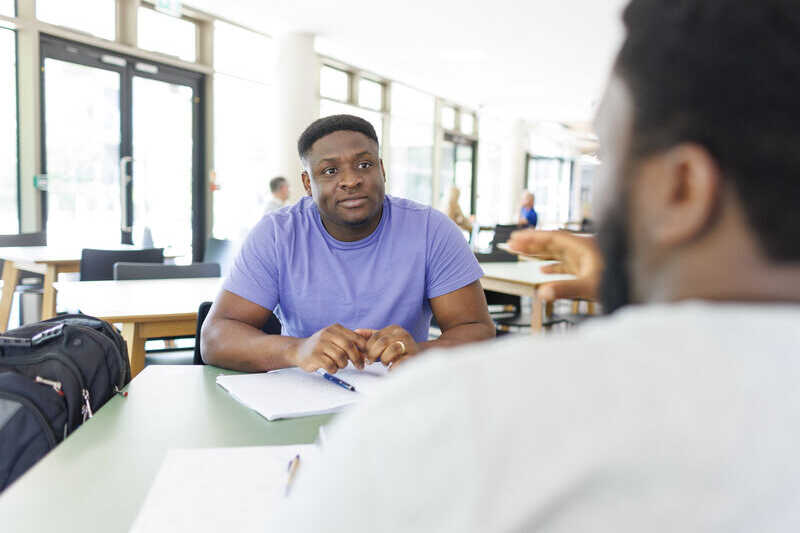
{"x":147,"y":309}
{"x":48,"y":260}
{"x":521,"y":278}
{"x":96,"y":480}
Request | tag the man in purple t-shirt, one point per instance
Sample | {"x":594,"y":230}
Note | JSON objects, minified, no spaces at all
{"x":352,"y":274}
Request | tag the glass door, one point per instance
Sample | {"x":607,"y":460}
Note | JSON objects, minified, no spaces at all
{"x":162,"y":165}
{"x":121,"y":151}
{"x":82,"y":135}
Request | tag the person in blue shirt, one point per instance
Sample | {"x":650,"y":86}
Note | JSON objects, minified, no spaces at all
{"x":527,"y":214}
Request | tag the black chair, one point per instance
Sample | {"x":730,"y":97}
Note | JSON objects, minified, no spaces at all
{"x":24,"y":239}
{"x":220,"y":251}
{"x":124,"y":271}
{"x":272,"y":327}
{"x":98,"y":265}
{"x":502,"y":232}
{"x":30,"y":282}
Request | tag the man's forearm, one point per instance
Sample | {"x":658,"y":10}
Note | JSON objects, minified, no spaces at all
{"x":232,"y":344}
{"x":461,"y":334}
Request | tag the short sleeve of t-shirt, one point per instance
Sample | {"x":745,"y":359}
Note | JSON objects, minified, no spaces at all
{"x":450,"y":264}
{"x":254,"y":274}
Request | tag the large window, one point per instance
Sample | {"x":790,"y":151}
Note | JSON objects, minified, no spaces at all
{"x":550,"y":181}
{"x":97,"y":17}
{"x":334,"y":83}
{"x":338,"y":89}
{"x":167,"y":34}
{"x":412,"y":136}
{"x":329,"y":107}
{"x":9,"y":216}
{"x":7,"y":8}
{"x":244,"y":140}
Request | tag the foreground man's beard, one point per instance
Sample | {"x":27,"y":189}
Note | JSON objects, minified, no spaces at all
{"x":612,"y":238}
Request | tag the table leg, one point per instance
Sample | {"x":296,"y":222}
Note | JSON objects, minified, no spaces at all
{"x":10,"y":280}
{"x":131,"y":332}
{"x":536,"y":314}
{"x":49,"y":292}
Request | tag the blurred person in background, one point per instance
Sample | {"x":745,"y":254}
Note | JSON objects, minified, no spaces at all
{"x":279,"y":188}
{"x":527,"y":214}
{"x":453,"y":210}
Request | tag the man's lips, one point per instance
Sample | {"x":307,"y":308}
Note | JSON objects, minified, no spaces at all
{"x":353,"y":203}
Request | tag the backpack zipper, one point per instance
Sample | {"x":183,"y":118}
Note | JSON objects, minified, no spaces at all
{"x":86,"y":408}
{"x":49,"y":433}
{"x":55,"y":384}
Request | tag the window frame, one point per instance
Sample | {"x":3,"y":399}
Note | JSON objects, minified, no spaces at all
{"x":11,"y":26}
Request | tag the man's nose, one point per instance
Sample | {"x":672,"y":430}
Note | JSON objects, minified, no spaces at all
{"x":349,"y":179}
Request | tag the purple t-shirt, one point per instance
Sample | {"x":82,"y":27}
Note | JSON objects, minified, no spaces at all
{"x":290,"y":264}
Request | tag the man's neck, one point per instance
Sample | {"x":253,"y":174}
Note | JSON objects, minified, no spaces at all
{"x":348,"y":233}
{"x":732,"y":274}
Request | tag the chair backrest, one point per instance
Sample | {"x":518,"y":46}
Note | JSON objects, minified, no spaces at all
{"x":502,"y":232}
{"x":220,"y":251}
{"x":162,"y":271}
{"x":24,"y":239}
{"x":98,"y":265}
{"x":272,"y":327}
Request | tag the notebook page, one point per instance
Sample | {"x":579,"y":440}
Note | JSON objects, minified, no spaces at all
{"x":292,"y":393}
{"x":219,"y":489}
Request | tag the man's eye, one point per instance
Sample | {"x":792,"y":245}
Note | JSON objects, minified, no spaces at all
{"x":365,"y":164}
{"x":329,"y":171}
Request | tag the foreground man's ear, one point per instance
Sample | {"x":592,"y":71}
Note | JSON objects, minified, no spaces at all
{"x":674,"y":195}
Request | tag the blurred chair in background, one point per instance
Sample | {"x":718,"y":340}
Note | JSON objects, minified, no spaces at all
{"x":98,"y":265}
{"x":124,"y":271}
{"x":222,"y":252}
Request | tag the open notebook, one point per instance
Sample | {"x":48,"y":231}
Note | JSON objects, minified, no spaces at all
{"x":219,"y":489}
{"x":293,"y":393}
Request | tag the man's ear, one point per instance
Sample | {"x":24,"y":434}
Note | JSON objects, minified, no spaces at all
{"x":675,"y":195}
{"x":383,"y":170}
{"x":306,"y":182}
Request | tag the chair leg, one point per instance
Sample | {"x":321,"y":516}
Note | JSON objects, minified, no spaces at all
{"x":10,"y":280}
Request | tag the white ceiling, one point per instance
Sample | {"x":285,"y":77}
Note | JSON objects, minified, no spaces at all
{"x":532,"y":59}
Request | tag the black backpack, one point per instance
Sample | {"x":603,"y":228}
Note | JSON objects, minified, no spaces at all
{"x":53,"y":376}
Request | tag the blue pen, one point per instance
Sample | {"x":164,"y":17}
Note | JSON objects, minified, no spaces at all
{"x":333,"y":379}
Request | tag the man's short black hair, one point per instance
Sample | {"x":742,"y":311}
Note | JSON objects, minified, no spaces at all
{"x":724,"y":74}
{"x":276,"y":183}
{"x":327,"y":125}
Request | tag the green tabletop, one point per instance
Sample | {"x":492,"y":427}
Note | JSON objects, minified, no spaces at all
{"x":97,"y":479}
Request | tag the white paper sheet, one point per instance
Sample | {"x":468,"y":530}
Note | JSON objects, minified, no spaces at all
{"x":219,"y":489}
{"x":293,"y":393}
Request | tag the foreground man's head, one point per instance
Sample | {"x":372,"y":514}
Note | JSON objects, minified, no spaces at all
{"x":699,"y":135}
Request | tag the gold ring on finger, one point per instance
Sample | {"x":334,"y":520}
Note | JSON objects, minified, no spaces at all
{"x":402,"y":346}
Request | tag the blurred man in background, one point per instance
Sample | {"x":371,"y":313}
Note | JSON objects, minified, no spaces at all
{"x":279,"y":188}
{"x":527,"y":214}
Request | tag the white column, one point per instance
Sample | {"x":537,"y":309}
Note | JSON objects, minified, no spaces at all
{"x":520,"y":144}
{"x":297,"y":101}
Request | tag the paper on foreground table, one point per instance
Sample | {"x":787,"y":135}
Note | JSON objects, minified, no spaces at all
{"x":219,"y":489}
{"x":293,"y":393}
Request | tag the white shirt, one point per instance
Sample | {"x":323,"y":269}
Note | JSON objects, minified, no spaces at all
{"x":681,"y":417}
{"x":273,"y":204}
